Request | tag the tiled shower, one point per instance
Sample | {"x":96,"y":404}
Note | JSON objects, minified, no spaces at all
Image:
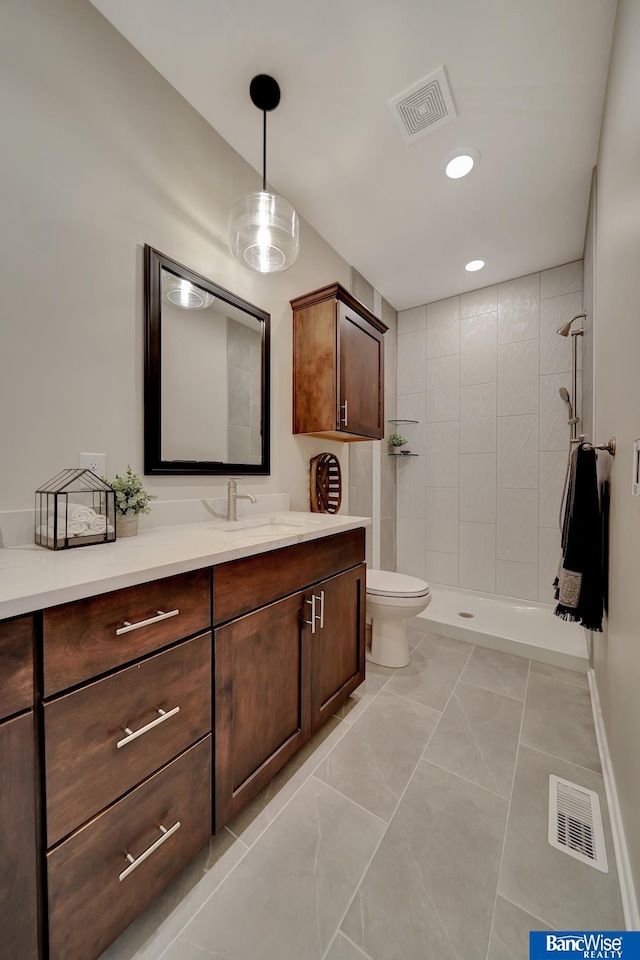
{"x":480,"y":372}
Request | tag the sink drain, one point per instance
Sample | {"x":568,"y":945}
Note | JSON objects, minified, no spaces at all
{"x":469,"y":616}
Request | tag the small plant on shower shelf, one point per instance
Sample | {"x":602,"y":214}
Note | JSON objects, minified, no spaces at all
{"x":396,"y":440}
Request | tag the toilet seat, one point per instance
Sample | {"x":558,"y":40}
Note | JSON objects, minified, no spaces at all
{"x":385,"y":583}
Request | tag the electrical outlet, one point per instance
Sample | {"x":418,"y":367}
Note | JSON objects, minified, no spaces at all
{"x":96,"y":462}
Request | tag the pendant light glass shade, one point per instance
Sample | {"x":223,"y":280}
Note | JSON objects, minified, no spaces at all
{"x":264,"y":233}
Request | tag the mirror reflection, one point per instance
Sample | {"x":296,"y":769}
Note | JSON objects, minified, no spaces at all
{"x":206,"y":396}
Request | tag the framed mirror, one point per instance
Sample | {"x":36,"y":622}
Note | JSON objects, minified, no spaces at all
{"x":206,"y":383}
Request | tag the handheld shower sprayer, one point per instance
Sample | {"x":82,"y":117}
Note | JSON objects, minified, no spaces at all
{"x":565,"y":329}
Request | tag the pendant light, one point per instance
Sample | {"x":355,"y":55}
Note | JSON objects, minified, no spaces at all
{"x":263,"y":227}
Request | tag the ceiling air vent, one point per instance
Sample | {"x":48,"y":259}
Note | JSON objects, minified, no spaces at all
{"x":425,"y":107}
{"x":575,"y":823}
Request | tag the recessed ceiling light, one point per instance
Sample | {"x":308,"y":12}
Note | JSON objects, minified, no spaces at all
{"x":461,"y":162}
{"x":474,"y":265}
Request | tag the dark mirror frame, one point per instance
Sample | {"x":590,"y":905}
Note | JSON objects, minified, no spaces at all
{"x":154,"y":261}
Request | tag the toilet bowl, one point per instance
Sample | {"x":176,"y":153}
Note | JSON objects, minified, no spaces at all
{"x":393,"y":598}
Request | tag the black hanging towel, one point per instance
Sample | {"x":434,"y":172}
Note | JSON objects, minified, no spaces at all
{"x":579,"y":584}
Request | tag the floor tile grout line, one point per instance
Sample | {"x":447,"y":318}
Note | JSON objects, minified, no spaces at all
{"x":525,"y":910}
{"x":350,"y":799}
{"x":377,"y":847}
{"x":506,"y":822}
{"x":353,"y":943}
{"x":571,"y":683}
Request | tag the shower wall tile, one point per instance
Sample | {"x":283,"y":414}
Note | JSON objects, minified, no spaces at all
{"x":479,"y":349}
{"x":561,"y":280}
{"x":517,"y":579}
{"x":411,"y":487}
{"x":411,"y":546}
{"x":442,"y":519}
{"x":519,"y":309}
{"x":478,"y":418}
{"x":477,"y":556}
{"x":443,"y":327}
{"x":443,"y":389}
{"x":554,"y":428}
{"x":414,"y":319}
{"x":412,"y":369}
{"x":518,"y":451}
{"x":443,"y":443}
{"x":555,"y":351}
{"x":548,"y":561}
{"x":553,"y":468}
{"x":518,"y":378}
{"x":387,"y":544}
{"x":388,"y":479}
{"x":442,"y":568}
{"x":478,"y":487}
{"x":475,"y":302}
{"x":518,"y":525}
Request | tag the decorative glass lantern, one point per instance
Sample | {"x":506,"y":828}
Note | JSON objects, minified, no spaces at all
{"x":75,"y":509}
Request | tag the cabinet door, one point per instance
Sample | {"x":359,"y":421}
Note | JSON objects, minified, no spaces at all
{"x":261,"y":684}
{"x":361,"y":376}
{"x":337,"y":644}
{"x":18,"y":897}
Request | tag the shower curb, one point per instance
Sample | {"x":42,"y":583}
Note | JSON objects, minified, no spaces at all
{"x":625,"y":876}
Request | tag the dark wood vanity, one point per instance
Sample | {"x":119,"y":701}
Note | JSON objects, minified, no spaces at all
{"x":158,"y":712}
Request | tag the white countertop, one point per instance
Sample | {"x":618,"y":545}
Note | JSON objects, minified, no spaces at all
{"x":32,"y":577}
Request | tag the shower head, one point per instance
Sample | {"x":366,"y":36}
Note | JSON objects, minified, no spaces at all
{"x":564,"y":395}
{"x":565,"y":328}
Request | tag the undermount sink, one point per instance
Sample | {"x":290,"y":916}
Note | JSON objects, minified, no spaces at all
{"x":266,"y":526}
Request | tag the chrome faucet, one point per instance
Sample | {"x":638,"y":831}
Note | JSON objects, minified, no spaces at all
{"x":233,"y":496}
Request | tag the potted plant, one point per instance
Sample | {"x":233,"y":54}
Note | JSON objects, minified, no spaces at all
{"x":131,"y":500}
{"x":393,"y":440}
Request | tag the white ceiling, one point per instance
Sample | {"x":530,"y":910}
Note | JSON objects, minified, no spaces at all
{"x":528,"y":80}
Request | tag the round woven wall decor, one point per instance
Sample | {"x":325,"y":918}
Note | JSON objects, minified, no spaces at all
{"x":326,"y":484}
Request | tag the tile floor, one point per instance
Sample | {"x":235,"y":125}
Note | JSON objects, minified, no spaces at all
{"x":413,"y":826}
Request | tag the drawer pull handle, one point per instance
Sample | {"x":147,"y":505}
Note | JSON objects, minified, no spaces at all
{"x":134,"y":734}
{"x":128,"y":627}
{"x":345,"y":419}
{"x":134,"y":864}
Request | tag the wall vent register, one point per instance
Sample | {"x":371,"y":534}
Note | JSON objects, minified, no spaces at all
{"x":575,"y":823}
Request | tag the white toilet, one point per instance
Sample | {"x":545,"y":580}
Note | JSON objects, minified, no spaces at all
{"x":393,"y":598}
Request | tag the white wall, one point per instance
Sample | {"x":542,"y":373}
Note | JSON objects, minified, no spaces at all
{"x":480,"y":372}
{"x":617,"y":354}
{"x":100,"y":156}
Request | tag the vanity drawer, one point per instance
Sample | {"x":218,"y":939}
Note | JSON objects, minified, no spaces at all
{"x":16,"y":665}
{"x":89,"y":637}
{"x":244,"y":585}
{"x":85,"y":767}
{"x":90,"y":901}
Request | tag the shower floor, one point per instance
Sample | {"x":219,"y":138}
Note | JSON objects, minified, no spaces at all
{"x":523,"y":627}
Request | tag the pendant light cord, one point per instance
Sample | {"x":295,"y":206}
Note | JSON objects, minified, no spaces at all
{"x":264,"y":151}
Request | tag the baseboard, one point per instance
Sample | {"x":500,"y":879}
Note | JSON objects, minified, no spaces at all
{"x":625,"y":876}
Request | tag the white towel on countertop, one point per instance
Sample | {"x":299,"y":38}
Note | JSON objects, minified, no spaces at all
{"x":76,"y":511}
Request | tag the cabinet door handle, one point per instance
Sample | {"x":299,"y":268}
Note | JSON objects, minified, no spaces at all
{"x":345,"y":419}
{"x":312,"y":622}
{"x":134,"y":734}
{"x":134,"y":864}
{"x":321,"y":617}
{"x":128,"y":627}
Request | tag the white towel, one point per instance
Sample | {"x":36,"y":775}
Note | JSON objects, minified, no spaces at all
{"x":76,"y":528}
{"x":98,"y":523}
{"x":76,"y":511}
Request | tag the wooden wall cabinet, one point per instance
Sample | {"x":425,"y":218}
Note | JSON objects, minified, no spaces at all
{"x":283,"y":669}
{"x":338,"y":367}
{"x":18,"y":823}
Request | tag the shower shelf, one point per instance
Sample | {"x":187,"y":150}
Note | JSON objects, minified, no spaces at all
{"x":402,"y":454}
{"x":403,"y":421}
